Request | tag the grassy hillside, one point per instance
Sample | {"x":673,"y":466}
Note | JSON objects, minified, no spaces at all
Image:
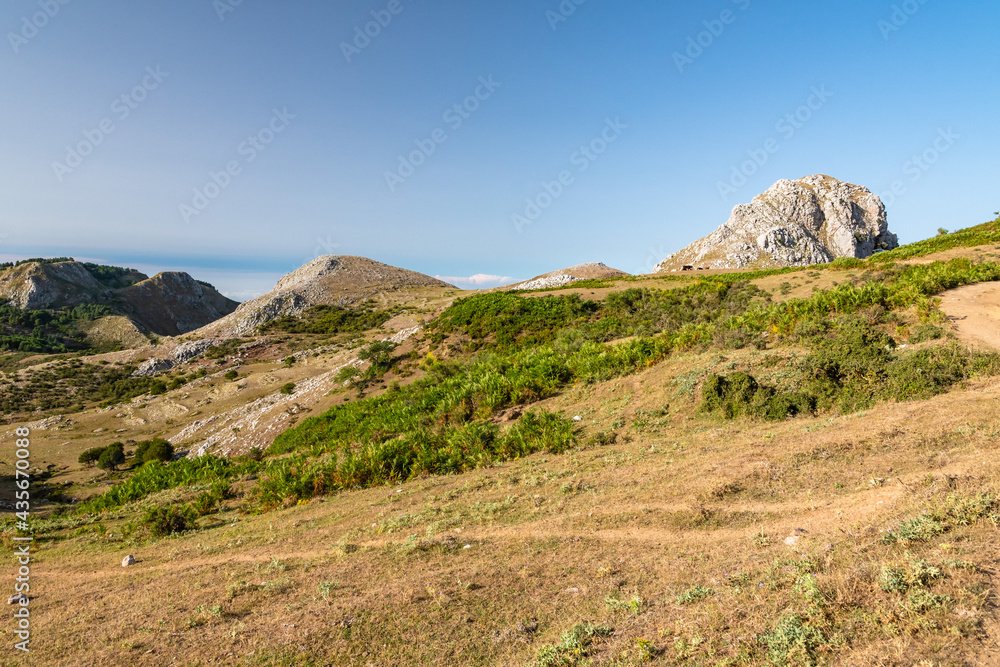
{"x":790,"y":467}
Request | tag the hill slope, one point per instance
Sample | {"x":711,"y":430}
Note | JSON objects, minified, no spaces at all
{"x":167,"y":304}
{"x":337,"y":280}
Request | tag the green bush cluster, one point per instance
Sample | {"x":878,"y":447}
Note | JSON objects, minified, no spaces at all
{"x":45,"y":331}
{"x":156,"y":449}
{"x":416,"y":453}
{"x":740,"y":395}
{"x":111,"y":456}
{"x":851,"y":366}
{"x":164,"y":521}
{"x":330,"y":320}
{"x":503,"y":321}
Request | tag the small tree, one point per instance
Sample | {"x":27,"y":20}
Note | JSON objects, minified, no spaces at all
{"x":90,"y":456}
{"x":156,"y":449}
{"x":112,"y":457}
{"x":379,"y":354}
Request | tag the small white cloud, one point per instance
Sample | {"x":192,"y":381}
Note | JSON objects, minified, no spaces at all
{"x":478,"y":281}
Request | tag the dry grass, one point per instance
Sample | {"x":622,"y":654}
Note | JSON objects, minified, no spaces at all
{"x":489,"y":568}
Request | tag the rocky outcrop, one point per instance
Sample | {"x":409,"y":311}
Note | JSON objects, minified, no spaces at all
{"x":34,"y":286}
{"x":336,"y":280}
{"x":168,"y":304}
{"x":588,"y":271}
{"x":811,"y":220}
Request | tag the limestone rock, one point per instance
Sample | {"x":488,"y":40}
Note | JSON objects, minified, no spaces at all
{"x":168,"y":304}
{"x":128,"y":560}
{"x":17,"y":598}
{"x":588,"y":271}
{"x":336,"y":280}
{"x":811,"y":220}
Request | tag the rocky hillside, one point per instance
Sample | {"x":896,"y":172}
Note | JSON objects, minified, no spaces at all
{"x":588,"y":271}
{"x":167,"y":304}
{"x":811,"y":220}
{"x":336,"y":280}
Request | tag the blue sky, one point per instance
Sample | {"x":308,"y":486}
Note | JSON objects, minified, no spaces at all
{"x":236,"y":140}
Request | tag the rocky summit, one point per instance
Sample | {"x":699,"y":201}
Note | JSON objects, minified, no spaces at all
{"x":811,"y":220}
{"x":334,"y":280}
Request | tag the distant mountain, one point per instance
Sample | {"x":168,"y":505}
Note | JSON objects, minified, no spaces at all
{"x":332,"y":280}
{"x":168,"y":304}
{"x":811,"y":220}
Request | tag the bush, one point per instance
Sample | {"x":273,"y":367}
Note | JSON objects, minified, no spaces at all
{"x":740,"y":395}
{"x":231,"y":375}
{"x":163,"y":521}
{"x":90,"y":456}
{"x":159,"y":450}
{"x":156,"y":449}
{"x":112,"y":457}
{"x":288,"y":388}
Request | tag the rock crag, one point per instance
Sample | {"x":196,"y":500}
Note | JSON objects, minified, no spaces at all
{"x":811,"y":220}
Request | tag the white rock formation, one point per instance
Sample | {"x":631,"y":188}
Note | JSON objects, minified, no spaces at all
{"x":812,"y":220}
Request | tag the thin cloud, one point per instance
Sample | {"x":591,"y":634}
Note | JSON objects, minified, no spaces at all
{"x":478,"y":281}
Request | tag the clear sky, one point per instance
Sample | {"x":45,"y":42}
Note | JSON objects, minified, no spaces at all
{"x":237,"y":139}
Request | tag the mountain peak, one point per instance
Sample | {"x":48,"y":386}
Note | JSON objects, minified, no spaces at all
{"x":811,"y":220}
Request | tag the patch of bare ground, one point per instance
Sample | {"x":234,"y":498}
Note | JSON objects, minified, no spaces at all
{"x":974,"y":313}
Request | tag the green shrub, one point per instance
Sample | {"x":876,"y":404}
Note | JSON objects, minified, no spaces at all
{"x":740,"y":395}
{"x":112,"y":457}
{"x":90,"y":456}
{"x":693,"y":594}
{"x":288,"y":388}
{"x":793,"y":641}
{"x":231,"y":374}
{"x":163,"y":521}
{"x":159,"y":450}
{"x":156,"y":449}
{"x":573,"y":647}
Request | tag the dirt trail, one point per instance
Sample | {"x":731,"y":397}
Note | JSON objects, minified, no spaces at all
{"x":974,"y":312}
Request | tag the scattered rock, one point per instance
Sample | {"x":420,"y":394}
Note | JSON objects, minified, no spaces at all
{"x":17,"y":598}
{"x":151,"y":367}
{"x":128,"y":560}
{"x":792,"y":540}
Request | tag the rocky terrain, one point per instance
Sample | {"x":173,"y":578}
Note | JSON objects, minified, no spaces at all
{"x":336,"y":280}
{"x":168,"y":304}
{"x":811,"y":220}
{"x":588,"y":271}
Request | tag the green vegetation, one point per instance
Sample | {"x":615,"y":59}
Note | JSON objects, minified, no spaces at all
{"x":503,"y":321}
{"x":164,"y":521}
{"x":987,"y":233}
{"x":156,"y":449}
{"x":573,"y":647}
{"x":331,"y":320}
{"x":45,"y":331}
{"x":36,"y":260}
{"x":113,"y":277}
{"x":852,"y":366}
{"x":111,"y":456}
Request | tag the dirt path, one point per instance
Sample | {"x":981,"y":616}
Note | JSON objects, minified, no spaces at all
{"x":974,"y":313}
